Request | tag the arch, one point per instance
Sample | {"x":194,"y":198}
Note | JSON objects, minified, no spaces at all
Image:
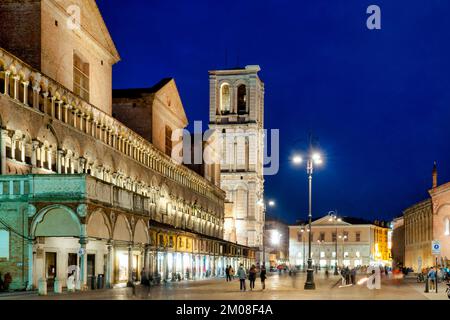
{"x":225,"y":97}
{"x":444,"y":212}
{"x":122,"y":230}
{"x":98,"y":225}
{"x":56,"y":221}
{"x":48,"y":133}
{"x":242,"y":99}
{"x":70,"y":143}
{"x":140,"y":233}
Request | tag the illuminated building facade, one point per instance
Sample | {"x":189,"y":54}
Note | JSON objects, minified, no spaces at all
{"x":79,"y":190}
{"x":358,"y":243}
{"x":427,"y":221}
{"x":237,"y":114}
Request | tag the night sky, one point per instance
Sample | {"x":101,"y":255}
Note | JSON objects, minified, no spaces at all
{"x":377,"y":101}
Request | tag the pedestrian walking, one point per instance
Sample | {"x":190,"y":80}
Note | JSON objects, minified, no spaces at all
{"x":231,"y":273}
{"x":242,"y":275}
{"x":347,"y":275}
{"x":432,"y":278}
{"x":353,"y":276}
{"x":252,"y":277}
{"x":343,"y":276}
{"x":227,"y":273}
{"x":263,"y":277}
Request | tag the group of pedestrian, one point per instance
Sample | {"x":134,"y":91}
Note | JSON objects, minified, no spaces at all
{"x":242,"y":274}
{"x":229,"y":272}
{"x":348,"y":276}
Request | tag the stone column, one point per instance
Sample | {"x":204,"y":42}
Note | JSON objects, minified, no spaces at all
{"x":94,"y":128}
{"x":59,"y":160}
{"x":49,"y":159}
{"x":13,"y":148}
{"x":42,"y":150}
{"x":4,"y":136}
{"x":25,"y":92}
{"x":59,"y":110}
{"x":66,"y":113}
{"x":44,"y":107}
{"x":109,"y":260}
{"x":36,"y":91}
{"x":130,"y":265}
{"x":22,"y":150}
{"x":16,"y":87}
{"x":7,"y":82}
{"x":83,"y":261}
{"x":82,"y":116}
{"x":146,"y":261}
{"x":53,"y":106}
{"x":30,"y":265}
{"x":75,"y":113}
{"x":156,"y":265}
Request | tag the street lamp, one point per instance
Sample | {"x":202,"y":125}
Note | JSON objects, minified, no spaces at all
{"x":334,"y":218}
{"x":302,"y":231}
{"x":313,"y":159}
{"x":262,"y":203}
{"x":343,"y":237}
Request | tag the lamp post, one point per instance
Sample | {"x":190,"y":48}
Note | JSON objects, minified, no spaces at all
{"x":314,"y":158}
{"x":343,"y":237}
{"x":335,"y":219}
{"x":302,"y":230}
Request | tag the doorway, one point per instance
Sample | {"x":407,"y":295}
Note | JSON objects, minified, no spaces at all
{"x":50,"y":267}
{"x":91,"y":265}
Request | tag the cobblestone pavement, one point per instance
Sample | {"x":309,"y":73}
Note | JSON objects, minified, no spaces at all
{"x":278,"y":287}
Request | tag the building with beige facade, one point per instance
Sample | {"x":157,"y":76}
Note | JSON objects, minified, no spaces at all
{"x":345,"y":242}
{"x":237,"y":115}
{"x":426,"y":221}
{"x":398,"y":242}
{"x":81,"y":190}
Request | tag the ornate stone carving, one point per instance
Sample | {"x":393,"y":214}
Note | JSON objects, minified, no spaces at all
{"x":82,"y":210}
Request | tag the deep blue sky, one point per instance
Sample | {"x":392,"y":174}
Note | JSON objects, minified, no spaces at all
{"x":378,"y":101}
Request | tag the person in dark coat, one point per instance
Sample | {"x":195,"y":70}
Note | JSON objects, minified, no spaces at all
{"x":347,"y":275}
{"x":263,"y":277}
{"x":252,"y":277}
{"x":353,"y":276}
{"x":227,"y":273}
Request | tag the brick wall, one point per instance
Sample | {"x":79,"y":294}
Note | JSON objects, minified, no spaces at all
{"x":135,"y":113}
{"x":20,"y":29}
{"x":15,"y":216}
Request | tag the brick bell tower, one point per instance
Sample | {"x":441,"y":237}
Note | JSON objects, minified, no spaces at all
{"x":237,"y":114}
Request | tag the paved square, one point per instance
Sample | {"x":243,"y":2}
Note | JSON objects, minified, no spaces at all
{"x":278,"y":287}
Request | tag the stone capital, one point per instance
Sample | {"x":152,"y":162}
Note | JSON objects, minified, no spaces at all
{"x":31,"y":210}
{"x":82,"y":210}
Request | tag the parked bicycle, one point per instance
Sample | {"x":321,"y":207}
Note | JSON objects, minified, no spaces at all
{"x":421,"y":277}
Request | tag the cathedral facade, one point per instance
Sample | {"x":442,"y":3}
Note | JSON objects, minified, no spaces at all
{"x":237,"y":115}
